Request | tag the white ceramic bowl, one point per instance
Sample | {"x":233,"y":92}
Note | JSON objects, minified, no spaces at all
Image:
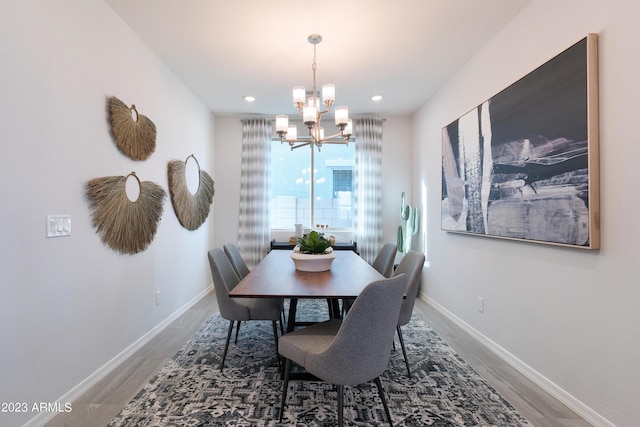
{"x":313,"y":262}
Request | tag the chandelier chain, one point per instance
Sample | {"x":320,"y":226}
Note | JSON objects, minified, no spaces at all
{"x":313,"y":67}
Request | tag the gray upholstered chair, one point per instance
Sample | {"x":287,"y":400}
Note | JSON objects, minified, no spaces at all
{"x":350,"y":351}
{"x":383,"y":262}
{"x":238,"y":262}
{"x":241,"y":268}
{"x":411,"y":265}
{"x":239,"y":309}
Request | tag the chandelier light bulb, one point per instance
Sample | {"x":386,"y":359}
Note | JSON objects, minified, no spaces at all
{"x":314,"y":102}
{"x":348,"y":129}
{"x":309,"y":115}
{"x":292,"y":133}
{"x":299,"y":95}
{"x":342,"y":115}
{"x":282,"y":123}
{"x":328,"y":93}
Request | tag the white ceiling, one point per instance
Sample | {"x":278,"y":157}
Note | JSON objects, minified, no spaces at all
{"x":402,"y":49}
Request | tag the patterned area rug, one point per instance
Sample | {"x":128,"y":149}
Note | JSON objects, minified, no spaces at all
{"x":191,"y":391}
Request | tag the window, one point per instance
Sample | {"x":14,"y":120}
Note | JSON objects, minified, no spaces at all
{"x":328,"y":200}
{"x":342,"y":180}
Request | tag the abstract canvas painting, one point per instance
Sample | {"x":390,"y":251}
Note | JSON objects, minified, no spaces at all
{"x":524,"y":164}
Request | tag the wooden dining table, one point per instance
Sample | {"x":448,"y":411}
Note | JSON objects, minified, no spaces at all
{"x":276,"y":277}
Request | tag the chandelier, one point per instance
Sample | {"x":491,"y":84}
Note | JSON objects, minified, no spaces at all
{"x":311,"y":113}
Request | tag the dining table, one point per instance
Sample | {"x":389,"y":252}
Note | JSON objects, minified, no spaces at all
{"x":276,"y":277}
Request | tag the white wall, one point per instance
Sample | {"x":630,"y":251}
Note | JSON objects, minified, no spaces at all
{"x":397,"y":164}
{"x":69,"y":305}
{"x":396,"y":175}
{"x":568,"y":316}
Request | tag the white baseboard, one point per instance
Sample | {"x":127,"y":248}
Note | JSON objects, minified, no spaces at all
{"x":550,"y":387}
{"x":77,"y":391}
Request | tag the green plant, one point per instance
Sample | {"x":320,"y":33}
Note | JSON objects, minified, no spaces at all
{"x":313,"y":243}
{"x":411,"y":219}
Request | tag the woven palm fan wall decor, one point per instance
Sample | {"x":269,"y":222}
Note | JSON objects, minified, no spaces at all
{"x":125,"y":226}
{"x":191,"y":209}
{"x":135,"y":133}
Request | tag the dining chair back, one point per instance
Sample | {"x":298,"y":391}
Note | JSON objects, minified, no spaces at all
{"x":383,"y":262}
{"x":411,"y":265}
{"x":241,"y":268}
{"x":237,"y":261}
{"x":350,"y":351}
{"x":239,"y":309}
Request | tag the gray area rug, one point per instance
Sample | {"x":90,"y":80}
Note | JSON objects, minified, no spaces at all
{"x":191,"y":391}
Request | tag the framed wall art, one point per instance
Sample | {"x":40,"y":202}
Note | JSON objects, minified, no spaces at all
{"x":524,"y":164}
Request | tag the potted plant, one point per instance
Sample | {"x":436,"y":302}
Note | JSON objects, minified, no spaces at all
{"x":313,"y":253}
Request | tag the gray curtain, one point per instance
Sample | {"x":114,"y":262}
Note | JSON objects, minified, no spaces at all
{"x":368,"y":183}
{"x":253,"y":218}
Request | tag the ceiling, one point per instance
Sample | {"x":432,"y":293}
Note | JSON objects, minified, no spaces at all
{"x":402,"y":49}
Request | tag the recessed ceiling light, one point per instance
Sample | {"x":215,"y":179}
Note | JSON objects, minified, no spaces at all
{"x":249,"y":98}
{"x":376,"y":97}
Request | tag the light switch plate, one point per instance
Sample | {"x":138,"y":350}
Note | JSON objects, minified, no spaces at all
{"x":58,"y":225}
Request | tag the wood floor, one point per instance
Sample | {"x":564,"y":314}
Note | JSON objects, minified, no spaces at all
{"x":103,"y":401}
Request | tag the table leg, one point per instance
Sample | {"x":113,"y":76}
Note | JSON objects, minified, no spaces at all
{"x":334,"y":308}
{"x":334,"y":313}
{"x":293,"y":307}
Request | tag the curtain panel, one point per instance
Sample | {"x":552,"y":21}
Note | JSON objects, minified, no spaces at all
{"x":253,"y":218}
{"x":368,"y":186}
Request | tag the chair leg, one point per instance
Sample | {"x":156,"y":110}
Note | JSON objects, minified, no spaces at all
{"x":275,"y":333}
{"x":283,"y":316}
{"x":237,"y":331}
{"x":285,"y":386}
{"x":340,"y":405}
{"x":384,"y":400}
{"x":275,"y":336}
{"x":226,"y":345}
{"x":404,"y":350}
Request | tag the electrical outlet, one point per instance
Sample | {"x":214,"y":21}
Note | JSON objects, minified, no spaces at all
{"x":480,"y":304}
{"x":58,"y":225}
{"x":157,"y":297}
